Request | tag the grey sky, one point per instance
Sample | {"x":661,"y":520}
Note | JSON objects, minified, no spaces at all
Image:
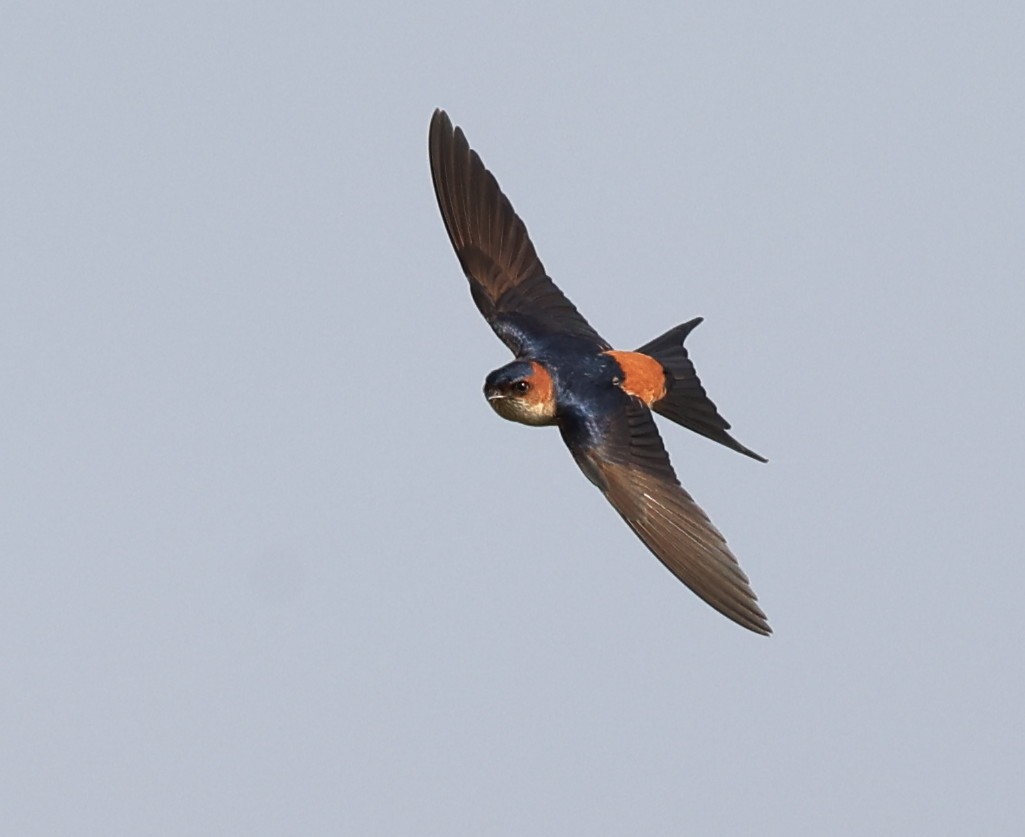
{"x":270,"y":565}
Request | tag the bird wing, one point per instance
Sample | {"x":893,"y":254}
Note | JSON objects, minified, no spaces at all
{"x":507,"y":280}
{"x":621,"y":452}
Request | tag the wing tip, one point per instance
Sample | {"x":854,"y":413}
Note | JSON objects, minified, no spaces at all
{"x":761,"y":627}
{"x":745,"y":612}
{"x":439,"y":119}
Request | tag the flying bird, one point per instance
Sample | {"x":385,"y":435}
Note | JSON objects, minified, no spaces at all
{"x":565,"y":374}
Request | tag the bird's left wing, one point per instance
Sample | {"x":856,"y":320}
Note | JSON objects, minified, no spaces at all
{"x":621,"y":452}
{"x":507,"y":280}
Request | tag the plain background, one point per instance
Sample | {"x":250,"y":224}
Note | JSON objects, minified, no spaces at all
{"x":270,"y":565}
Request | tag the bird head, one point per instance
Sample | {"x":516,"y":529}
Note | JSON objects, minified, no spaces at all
{"x":522,"y":391}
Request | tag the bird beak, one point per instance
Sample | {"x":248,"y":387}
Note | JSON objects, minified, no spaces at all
{"x":495,"y":396}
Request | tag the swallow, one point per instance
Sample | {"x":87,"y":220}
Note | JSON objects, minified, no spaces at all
{"x":565,"y":374}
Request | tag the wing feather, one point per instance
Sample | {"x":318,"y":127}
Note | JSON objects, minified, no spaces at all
{"x":622,"y":453}
{"x":507,"y":280}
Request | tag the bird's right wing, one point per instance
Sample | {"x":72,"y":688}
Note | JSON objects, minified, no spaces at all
{"x":621,"y":452}
{"x":507,"y":280}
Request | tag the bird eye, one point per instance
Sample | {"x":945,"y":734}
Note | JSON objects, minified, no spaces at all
{"x":520,"y":387}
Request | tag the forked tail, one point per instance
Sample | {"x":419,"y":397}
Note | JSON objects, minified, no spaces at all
{"x":686,"y":401}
